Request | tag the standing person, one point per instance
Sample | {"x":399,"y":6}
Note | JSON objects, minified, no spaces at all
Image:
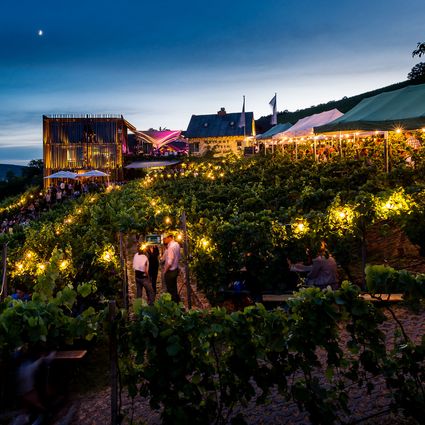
{"x":171,"y":267}
{"x":141,"y":271}
{"x":153,"y":256}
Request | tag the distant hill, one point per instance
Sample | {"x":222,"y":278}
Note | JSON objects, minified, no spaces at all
{"x":16,"y":169}
{"x":343,"y":105}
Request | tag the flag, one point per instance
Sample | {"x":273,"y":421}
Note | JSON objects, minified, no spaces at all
{"x":242,"y":122}
{"x":273,"y":103}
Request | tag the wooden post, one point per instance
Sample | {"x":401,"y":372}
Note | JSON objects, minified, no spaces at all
{"x":113,"y":355}
{"x":3,"y":289}
{"x":340,"y":144}
{"x":386,"y":152}
{"x":364,"y":256}
{"x":186,"y":261}
{"x":124,"y":272}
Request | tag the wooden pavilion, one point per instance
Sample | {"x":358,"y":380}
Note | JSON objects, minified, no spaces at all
{"x":83,"y":142}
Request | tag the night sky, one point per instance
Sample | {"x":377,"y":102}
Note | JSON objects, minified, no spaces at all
{"x":159,"y":62}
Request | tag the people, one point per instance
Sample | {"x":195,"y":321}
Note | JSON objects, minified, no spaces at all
{"x":21,"y":294}
{"x":153,"y":256}
{"x":323,"y":270}
{"x":33,"y":387}
{"x":141,"y":271}
{"x":171,"y":259}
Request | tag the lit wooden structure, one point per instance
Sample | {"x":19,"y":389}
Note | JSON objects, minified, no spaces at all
{"x":82,"y":142}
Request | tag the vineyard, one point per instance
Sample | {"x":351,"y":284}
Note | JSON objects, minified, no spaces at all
{"x":241,"y":213}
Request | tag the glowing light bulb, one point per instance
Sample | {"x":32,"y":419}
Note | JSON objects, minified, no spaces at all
{"x":341,"y":214}
{"x":63,"y":264}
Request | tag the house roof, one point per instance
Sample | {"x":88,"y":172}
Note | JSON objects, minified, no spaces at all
{"x":217,"y":125}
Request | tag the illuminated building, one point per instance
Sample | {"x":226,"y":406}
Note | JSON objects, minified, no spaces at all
{"x":219,"y":133}
{"x":82,"y":142}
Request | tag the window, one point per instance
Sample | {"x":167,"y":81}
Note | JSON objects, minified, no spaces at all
{"x":194,"y":147}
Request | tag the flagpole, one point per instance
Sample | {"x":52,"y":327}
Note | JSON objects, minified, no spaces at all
{"x":244,"y":124}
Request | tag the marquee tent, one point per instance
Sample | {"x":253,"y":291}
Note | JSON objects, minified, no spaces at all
{"x":304,"y":126}
{"x":279,"y":128}
{"x":158,"y":138}
{"x":399,"y":108}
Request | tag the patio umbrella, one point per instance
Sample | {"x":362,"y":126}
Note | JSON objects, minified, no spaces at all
{"x":93,"y":173}
{"x":62,"y":175}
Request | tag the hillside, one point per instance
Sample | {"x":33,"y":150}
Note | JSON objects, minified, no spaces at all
{"x":16,"y":169}
{"x":343,"y":105}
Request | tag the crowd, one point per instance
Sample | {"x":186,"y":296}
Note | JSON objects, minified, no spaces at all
{"x":54,"y":195}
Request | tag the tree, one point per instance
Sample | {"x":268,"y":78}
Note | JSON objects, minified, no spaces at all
{"x":417,"y":72}
{"x":420,"y":50}
{"x":36,"y":163}
{"x":34,"y":171}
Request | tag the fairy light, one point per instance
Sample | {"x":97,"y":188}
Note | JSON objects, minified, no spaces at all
{"x":167,"y":220}
{"x":63,"y":264}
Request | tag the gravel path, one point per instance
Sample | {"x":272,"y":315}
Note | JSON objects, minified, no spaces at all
{"x":94,"y":409}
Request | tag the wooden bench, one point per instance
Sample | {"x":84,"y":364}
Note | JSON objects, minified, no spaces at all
{"x":70,"y":354}
{"x":276,"y":298}
{"x":382,"y":297}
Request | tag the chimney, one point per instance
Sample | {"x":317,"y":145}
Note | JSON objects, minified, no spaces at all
{"x":221,"y":112}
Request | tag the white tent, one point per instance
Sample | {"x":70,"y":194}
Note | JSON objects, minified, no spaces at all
{"x":304,"y":127}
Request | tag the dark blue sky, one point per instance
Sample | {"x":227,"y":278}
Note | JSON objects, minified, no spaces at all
{"x":158,"y":63}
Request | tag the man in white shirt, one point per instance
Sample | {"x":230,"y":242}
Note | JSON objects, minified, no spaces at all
{"x":171,"y":266}
{"x":141,"y":271}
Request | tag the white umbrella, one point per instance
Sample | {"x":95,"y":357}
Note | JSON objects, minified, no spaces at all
{"x":62,"y":175}
{"x":93,"y":173}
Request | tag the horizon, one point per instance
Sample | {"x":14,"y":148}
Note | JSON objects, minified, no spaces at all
{"x":159,"y":64}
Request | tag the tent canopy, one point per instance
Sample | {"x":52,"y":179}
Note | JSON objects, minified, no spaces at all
{"x":279,"y":128}
{"x":151,"y":164}
{"x":386,"y":111}
{"x":304,"y":126}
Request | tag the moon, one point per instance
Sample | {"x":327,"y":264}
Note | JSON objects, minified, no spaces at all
{"x":40,"y":32}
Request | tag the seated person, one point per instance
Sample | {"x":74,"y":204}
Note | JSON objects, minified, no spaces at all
{"x":21,"y":294}
{"x":322,"y":271}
